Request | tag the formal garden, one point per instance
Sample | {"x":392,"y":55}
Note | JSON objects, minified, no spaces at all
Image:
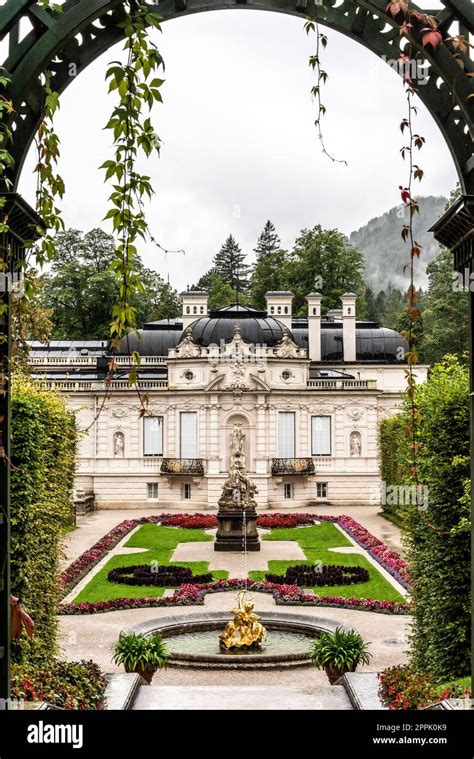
{"x":310,"y":564}
{"x":342,"y":566}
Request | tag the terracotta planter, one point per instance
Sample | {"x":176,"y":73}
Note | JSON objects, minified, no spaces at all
{"x":334,"y":673}
{"x":147,"y":674}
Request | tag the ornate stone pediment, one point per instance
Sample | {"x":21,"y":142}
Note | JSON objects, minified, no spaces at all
{"x":187,"y":348}
{"x":287,"y":348}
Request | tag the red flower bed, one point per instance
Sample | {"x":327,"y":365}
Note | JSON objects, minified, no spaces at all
{"x":277,"y":521}
{"x":403,"y":688}
{"x":285,"y":595}
{"x":189,"y":521}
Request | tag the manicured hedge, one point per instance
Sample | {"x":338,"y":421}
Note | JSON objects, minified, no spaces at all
{"x":43,"y":462}
{"x":439,"y":539}
{"x":394,"y":454}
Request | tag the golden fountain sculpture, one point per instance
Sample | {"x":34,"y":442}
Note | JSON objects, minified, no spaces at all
{"x":245,"y":630}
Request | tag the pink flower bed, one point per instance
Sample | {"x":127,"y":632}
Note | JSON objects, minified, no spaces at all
{"x":285,"y":595}
{"x":388,"y":559}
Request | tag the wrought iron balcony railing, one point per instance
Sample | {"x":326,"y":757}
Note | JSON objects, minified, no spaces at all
{"x":182,"y":466}
{"x":293,"y":466}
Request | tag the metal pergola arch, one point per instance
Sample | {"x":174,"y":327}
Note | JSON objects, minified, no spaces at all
{"x":66,"y":42}
{"x":87,"y":28}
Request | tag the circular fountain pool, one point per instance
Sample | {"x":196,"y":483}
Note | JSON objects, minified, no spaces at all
{"x":193,"y":640}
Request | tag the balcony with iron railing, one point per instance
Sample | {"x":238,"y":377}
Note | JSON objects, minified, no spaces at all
{"x":300,"y":466}
{"x":175,"y":466}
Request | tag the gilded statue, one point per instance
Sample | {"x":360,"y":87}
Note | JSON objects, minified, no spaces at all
{"x":245,"y":630}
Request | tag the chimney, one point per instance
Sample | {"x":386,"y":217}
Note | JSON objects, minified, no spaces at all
{"x":314,"y":326}
{"x":349,"y":326}
{"x":194,"y":306}
{"x":279,"y":304}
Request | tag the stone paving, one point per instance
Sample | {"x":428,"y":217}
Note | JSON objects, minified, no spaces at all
{"x":234,"y":563}
{"x":92,"y":636}
{"x":241,"y":698}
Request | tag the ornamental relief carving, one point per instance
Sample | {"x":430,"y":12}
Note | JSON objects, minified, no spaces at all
{"x":120,"y":411}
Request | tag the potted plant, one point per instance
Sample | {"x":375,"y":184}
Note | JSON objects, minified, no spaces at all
{"x":339,"y":652}
{"x":142,"y":654}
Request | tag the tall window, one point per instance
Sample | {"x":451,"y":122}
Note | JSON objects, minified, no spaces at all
{"x":152,"y":491}
{"x":321,"y":435}
{"x":288,"y":490}
{"x":188,"y":435}
{"x":153,"y":436}
{"x":187,"y":492}
{"x":286,"y":435}
{"x":322,"y":489}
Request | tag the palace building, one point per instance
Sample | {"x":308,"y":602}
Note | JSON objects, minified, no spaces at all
{"x":304,"y":396}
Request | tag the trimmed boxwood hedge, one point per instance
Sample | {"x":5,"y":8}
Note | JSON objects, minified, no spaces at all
{"x":162,"y":575}
{"x":43,"y":450}
{"x":394,"y":454}
{"x":309,"y":575}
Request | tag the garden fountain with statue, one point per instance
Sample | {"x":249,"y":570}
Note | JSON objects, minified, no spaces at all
{"x":209,"y":639}
{"x":237,"y":512}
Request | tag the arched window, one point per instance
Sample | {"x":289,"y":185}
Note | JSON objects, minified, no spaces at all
{"x":195,"y":310}
{"x":272,"y":309}
{"x":315,"y":313}
{"x":279,"y":309}
{"x":286,"y":309}
{"x":188,"y":310}
{"x":201,"y":310}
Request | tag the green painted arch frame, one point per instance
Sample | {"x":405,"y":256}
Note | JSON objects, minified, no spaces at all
{"x":69,"y":41}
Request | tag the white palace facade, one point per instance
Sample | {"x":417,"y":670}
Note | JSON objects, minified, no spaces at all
{"x":304,"y":396}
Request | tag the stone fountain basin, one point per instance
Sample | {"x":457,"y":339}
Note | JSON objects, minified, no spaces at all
{"x":295,"y":624}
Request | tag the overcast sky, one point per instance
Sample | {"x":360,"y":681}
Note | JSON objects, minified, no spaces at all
{"x":239,"y":143}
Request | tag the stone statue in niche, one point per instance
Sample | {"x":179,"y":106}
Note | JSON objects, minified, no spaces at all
{"x":119,"y":444}
{"x":237,"y":441}
{"x":355,"y":444}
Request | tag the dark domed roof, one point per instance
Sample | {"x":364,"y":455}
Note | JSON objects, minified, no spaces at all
{"x":156,"y":338}
{"x":373,"y":342}
{"x":255,"y":326}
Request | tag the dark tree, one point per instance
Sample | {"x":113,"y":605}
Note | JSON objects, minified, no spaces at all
{"x":267,"y":273}
{"x":229,"y":264}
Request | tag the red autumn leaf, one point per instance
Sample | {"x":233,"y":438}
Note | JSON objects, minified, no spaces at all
{"x":405,"y":193}
{"x":396,"y":6}
{"x":431,"y":37}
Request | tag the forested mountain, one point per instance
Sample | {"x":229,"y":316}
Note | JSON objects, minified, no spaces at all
{"x":385,"y":252}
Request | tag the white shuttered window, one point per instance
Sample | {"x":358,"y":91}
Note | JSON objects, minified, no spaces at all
{"x":188,"y":435}
{"x":286,"y":435}
{"x":321,"y":435}
{"x":153,"y":436}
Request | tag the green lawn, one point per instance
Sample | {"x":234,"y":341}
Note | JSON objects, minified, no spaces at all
{"x":315,"y":542}
{"x":160,"y":543}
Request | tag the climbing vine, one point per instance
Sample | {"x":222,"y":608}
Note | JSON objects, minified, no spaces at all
{"x":314,"y":62}
{"x":49,"y":184}
{"x":138,"y":89}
